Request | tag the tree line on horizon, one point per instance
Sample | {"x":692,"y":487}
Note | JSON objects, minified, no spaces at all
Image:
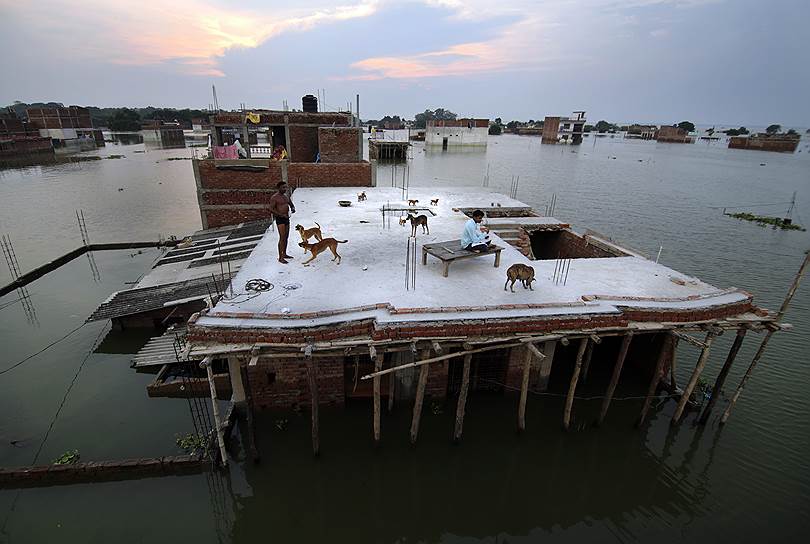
{"x":130,"y":119}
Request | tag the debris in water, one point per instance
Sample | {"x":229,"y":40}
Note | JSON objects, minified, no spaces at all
{"x":764,"y":220}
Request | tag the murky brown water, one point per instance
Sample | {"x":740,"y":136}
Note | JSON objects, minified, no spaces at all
{"x":748,"y":482}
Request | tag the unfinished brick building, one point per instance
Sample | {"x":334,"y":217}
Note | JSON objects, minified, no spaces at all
{"x":324,"y":149}
{"x":329,"y":333}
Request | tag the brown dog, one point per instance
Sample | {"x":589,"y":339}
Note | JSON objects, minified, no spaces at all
{"x":520,"y":272}
{"x":321,"y":245}
{"x":434,"y":202}
{"x":412,"y":202}
{"x":306,"y":234}
{"x":415,"y":222}
{"x":361,"y":196}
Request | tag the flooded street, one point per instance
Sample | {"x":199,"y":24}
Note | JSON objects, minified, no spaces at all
{"x":747,"y":481}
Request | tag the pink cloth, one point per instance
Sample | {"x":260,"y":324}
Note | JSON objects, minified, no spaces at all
{"x":225,"y":152}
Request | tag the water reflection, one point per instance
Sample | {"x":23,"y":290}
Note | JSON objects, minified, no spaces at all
{"x":124,"y":138}
{"x":495,"y":483}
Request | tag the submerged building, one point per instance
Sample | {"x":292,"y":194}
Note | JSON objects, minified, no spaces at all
{"x":163,"y":134}
{"x":70,"y":127}
{"x":672,"y":135}
{"x":785,"y":143}
{"x":20,"y":139}
{"x":564,"y":130}
{"x":457,"y":133}
{"x":402,"y":315}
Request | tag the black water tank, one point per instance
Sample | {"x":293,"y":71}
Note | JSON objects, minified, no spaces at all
{"x":310,"y":104}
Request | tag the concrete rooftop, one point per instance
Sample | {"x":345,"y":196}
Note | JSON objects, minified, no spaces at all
{"x":372,"y":271}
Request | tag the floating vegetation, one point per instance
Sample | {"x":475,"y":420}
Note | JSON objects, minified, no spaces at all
{"x":191,"y":443}
{"x":115,"y":157}
{"x":179,"y":159}
{"x":67,"y":458}
{"x":764,"y":221}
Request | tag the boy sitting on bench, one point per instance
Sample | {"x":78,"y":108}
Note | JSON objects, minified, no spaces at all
{"x":475,"y":237}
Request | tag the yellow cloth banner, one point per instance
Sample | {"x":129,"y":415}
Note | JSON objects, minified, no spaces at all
{"x":254,"y":118}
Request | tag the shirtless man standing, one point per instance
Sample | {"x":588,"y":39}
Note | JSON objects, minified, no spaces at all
{"x":281,"y":206}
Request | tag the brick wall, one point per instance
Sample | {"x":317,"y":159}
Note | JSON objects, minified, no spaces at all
{"x":437,"y":380}
{"x":303,"y":143}
{"x":233,"y":216}
{"x":283,"y":383}
{"x":357,"y":174}
{"x":566,"y":245}
{"x":339,"y":144}
{"x":211,"y":177}
{"x":514,"y":368}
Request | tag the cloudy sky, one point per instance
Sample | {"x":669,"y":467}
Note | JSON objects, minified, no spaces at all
{"x":713,"y":61}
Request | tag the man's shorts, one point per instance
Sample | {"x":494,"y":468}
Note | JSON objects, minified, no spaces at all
{"x":281,"y":220}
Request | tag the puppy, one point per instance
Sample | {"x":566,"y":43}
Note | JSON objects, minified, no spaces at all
{"x":402,"y":221}
{"x":321,"y":245}
{"x":520,"y":272}
{"x":415,"y":222}
{"x":434,"y":202}
{"x":306,"y":234}
{"x":361,"y":196}
{"x":412,"y":202}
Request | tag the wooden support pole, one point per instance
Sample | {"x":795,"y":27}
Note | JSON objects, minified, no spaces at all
{"x":537,"y":353}
{"x":377,"y":368}
{"x":690,"y":386}
{"x":667,"y":350}
{"x":673,"y":383}
{"x":524,"y":389}
{"x":254,"y":450}
{"x":572,"y":387}
{"x":721,"y":378}
{"x":792,"y":291}
{"x":312,"y":377}
{"x":392,"y":383}
{"x":462,"y":398}
{"x":418,"y":401}
{"x":614,"y":379}
{"x":206,"y":363}
{"x":586,"y":363}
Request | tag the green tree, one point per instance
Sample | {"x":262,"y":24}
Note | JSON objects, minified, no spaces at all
{"x":688,"y":126}
{"x":792,"y":132}
{"x":440,"y":114}
{"x":603,"y":126}
{"x":125,"y":119}
{"x":495,"y":129}
{"x":773,"y":129}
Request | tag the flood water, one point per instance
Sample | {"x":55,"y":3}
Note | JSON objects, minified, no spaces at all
{"x":748,"y":481}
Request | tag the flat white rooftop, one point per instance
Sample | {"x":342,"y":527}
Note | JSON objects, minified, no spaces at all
{"x":373,"y":270}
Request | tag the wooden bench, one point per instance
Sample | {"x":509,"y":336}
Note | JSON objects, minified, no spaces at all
{"x":447,"y":252}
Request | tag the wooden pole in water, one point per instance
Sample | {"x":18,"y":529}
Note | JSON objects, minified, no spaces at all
{"x":312,"y":377}
{"x":254,"y":450}
{"x":391,"y":386}
{"x":462,"y":398}
{"x":721,"y":378}
{"x":572,"y":387}
{"x":667,"y":350}
{"x":417,"y":404}
{"x":586,"y":363}
{"x":524,"y":389}
{"x":690,"y":386}
{"x":206,"y":363}
{"x":673,"y":384}
{"x":614,"y":379}
{"x":792,"y":291}
{"x":377,"y":368}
